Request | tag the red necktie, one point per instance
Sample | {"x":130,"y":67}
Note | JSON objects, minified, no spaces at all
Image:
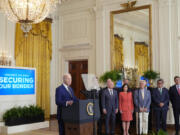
{"x":179,"y":91}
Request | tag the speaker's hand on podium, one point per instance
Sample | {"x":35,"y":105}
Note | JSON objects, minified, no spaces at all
{"x":104,"y":111}
{"x":69,"y":102}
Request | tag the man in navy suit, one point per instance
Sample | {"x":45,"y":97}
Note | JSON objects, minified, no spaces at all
{"x":174,"y":94}
{"x":109,"y":102}
{"x":64,"y":97}
{"x":142,"y":101}
{"x":160,"y":97}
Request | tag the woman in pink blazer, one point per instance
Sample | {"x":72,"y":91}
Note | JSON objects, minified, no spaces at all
{"x":126,"y":108}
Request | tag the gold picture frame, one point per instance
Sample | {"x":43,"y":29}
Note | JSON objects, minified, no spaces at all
{"x":112,"y":13}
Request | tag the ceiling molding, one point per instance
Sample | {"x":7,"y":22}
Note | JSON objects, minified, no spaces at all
{"x":81,"y":46}
{"x":131,"y":26}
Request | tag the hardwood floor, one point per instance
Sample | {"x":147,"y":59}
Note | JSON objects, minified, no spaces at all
{"x":53,"y":130}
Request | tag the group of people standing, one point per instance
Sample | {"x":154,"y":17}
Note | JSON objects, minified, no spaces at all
{"x":126,"y":102}
{"x":138,"y":101}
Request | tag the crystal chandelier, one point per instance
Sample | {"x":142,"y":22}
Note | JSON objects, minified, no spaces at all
{"x":27,"y":12}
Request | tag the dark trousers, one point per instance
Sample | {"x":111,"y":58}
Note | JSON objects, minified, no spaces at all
{"x":100,"y":123}
{"x":61,"y":127}
{"x":150,"y":119}
{"x":161,"y":117}
{"x":176,"y":117}
{"x":119,"y":120}
{"x":110,"y":117}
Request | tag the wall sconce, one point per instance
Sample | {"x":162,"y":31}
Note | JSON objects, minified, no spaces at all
{"x":5,"y":60}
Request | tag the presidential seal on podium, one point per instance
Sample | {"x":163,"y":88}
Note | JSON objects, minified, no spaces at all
{"x":90,"y":110}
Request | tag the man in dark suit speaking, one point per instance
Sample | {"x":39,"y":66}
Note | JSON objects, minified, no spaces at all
{"x":160,"y":97}
{"x":64,"y":97}
{"x":109,"y":102}
{"x":174,"y":94}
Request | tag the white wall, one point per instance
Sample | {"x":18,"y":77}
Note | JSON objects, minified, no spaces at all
{"x":7,"y":37}
{"x":131,"y":34}
{"x":55,"y":68}
{"x":77,"y":33}
{"x":178,"y":11}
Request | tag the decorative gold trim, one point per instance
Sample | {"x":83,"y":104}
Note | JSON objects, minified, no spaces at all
{"x":129,"y":4}
{"x":88,"y":105}
{"x":112,"y":13}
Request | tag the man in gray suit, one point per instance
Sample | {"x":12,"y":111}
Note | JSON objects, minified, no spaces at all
{"x":142,"y":101}
{"x":109,"y":102}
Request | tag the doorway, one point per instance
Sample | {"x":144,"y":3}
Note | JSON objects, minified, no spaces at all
{"x":76,"y":68}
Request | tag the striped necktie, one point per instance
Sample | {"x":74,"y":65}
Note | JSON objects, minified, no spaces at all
{"x":68,"y":89}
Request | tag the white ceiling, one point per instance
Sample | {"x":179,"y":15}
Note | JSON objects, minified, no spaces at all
{"x":139,"y":19}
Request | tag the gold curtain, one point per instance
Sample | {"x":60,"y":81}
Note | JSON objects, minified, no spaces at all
{"x":35,"y":50}
{"x":141,"y":57}
{"x":117,"y":53}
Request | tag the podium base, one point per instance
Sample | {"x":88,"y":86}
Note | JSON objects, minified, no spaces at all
{"x":79,"y":129}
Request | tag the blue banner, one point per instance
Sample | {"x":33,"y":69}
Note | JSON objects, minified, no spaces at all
{"x":15,"y":81}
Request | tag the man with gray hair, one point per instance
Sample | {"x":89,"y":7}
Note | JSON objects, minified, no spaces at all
{"x":64,"y":97}
{"x":142,"y":101}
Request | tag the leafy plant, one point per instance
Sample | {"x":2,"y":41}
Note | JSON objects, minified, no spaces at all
{"x":160,"y":132}
{"x":23,"y":115}
{"x":150,"y":74}
{"x":114,"y":75}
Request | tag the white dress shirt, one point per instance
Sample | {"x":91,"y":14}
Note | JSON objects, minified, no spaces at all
{"x":110,"y":91}
{"x":142,"y":92}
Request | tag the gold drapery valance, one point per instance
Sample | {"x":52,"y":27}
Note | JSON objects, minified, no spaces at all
{"x":117,"y":53}
{"x":35,"y":50}
{"x":141,"y":57}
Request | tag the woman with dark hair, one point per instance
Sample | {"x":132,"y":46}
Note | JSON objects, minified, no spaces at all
{"x":126,"y":108}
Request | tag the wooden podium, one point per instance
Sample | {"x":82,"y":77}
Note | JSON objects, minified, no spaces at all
{"x":79,"y":117}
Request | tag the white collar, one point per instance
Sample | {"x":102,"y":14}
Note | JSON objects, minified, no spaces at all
{"x":65,"y":86}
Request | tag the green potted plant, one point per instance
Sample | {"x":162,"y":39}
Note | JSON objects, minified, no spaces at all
{"x":160,"y":132}
{"x":23,"y":115}
{"x":114,"y":75}
{"x":151,"y":76}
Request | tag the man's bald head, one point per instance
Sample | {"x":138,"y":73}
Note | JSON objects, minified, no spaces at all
{"x":110,"y":83}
